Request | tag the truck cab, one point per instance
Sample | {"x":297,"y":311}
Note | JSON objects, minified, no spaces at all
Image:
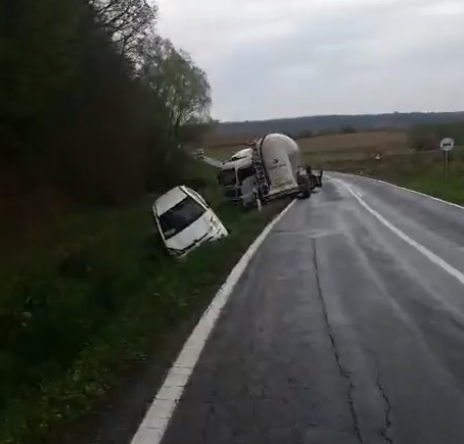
{"x":238,"y":180}
{"x":269,"y":169}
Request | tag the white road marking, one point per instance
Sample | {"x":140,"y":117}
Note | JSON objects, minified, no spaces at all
{"x":410,"y":191}
{"x":155,"y":423}
{"x":314,"y":234}
{"x":425,"y":251}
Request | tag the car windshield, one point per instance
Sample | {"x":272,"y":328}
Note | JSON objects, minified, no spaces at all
{"x":228,"y":177}
{"x":180,"y":217}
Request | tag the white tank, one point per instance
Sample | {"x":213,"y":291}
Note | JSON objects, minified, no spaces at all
{"x":281,"y":158}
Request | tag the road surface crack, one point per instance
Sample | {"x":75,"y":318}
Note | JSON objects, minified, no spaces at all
{"x":342,"y":370}
{"x":388,"y":408}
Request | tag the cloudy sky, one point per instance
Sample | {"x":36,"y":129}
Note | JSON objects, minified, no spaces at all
{"x":284,"y":58}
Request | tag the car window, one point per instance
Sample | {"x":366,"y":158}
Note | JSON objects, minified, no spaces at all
{"x":245,"y":173}
{"x":180,"y":217}
{"x":228,"y":177}
{"x":199,"y":197}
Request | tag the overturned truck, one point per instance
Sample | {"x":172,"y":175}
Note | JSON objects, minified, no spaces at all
{"x":269,"y":168}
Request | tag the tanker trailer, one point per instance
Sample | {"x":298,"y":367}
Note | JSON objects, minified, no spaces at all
{"x":276,"y":160}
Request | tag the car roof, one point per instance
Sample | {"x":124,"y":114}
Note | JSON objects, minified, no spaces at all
{"x":170,"y":199}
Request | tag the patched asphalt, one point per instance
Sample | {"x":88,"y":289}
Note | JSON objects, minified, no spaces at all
{"x":339,"y":332}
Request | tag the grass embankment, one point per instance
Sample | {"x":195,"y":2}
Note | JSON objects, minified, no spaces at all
{"x":84,"y":304}
{"x":421,"y":171}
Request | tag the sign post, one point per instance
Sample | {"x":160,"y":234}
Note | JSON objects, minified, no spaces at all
{"x":446,"y":146}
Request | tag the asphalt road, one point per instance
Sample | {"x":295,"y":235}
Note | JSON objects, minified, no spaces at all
{"x":345,"y":328}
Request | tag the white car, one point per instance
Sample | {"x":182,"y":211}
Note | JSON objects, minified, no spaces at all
{"x":185,"y":221}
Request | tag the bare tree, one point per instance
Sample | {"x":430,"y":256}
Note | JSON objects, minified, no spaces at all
{"x":128,"y":21}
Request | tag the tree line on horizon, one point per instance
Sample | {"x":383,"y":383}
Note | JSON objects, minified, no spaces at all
{"x":424,"y":130}
{"x":334,"y":124}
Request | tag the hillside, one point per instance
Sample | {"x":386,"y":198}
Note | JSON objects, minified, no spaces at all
{"x":318,"y":124}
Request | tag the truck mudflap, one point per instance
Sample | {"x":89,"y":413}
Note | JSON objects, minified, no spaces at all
{"x":316,"y":181}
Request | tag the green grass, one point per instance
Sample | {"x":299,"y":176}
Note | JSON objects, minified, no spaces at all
{"x":86,"y":301}
{"x":422,"y":172}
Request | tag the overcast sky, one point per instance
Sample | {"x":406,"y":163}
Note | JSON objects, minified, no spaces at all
{"x":284,"y":58}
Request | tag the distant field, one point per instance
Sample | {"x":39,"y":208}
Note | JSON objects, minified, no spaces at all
{"x":333,"y":147}
{"x":371,"y":142}
{"x":214,"y":141}
{"x":222,"y":153}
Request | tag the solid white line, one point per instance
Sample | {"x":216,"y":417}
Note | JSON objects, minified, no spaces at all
{"x":154,"y":425}
{"x":425,"y":251}
{"x":409,"y":190}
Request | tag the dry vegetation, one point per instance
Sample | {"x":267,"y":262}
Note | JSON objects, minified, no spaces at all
{"x":332,"y":147}
{"x":365,"y":141}
{"x":213,"y":140}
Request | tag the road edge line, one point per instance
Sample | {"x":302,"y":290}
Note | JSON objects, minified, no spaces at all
{"x":153,"y":426}
{"x":437,"y":260}
{"x":409,"y":190}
